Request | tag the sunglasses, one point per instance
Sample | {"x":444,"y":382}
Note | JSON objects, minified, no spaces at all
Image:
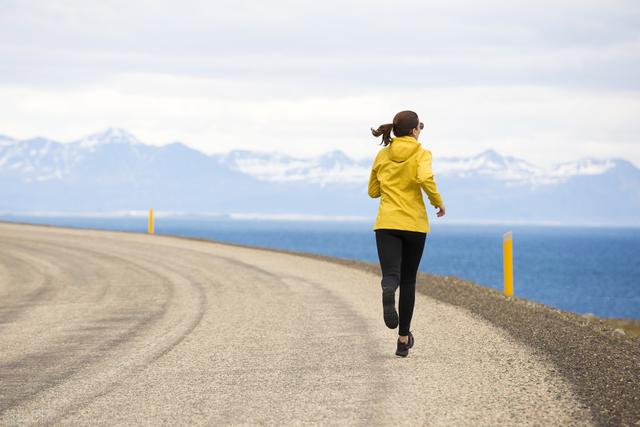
{"x":421,"y":125}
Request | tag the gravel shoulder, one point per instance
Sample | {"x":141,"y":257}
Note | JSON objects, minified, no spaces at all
{"x":120,"y":328}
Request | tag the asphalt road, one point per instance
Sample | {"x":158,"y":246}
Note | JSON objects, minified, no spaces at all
{"x":112,"y":328}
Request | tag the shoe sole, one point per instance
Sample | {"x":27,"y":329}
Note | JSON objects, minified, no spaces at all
{"x":389,"y":309}
{"x":400,"y":353}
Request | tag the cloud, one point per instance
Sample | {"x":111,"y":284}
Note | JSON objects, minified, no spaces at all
{"x":217,"y":115}
{"x":526,"y":78}
{"x":354,"y":44}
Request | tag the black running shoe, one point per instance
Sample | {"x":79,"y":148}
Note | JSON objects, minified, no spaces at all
{"x":389,"y":308}
{"x":403,"y":349}
{"x":410,"y":339}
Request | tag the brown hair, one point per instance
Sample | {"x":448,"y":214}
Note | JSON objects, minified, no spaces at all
{"x":403,"y":123}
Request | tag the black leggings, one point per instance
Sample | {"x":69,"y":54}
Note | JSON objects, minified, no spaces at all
{"x":400,"y":252}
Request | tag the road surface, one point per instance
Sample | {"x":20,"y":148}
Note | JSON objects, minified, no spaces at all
{"x":100,"y":327}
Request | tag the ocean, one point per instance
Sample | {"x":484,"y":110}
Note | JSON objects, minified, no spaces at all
{"x":581,"y":269}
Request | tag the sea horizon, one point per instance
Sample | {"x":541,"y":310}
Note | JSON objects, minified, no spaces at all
{"x":254,"y":216}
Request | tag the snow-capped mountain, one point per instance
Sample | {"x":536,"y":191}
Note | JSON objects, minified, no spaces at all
{"x":110,"y":136}
{"x":41,"y":159}
{"x":584,"y":167}
{"x":113,"y":171}
{"x":36,"y":159}
{"x":490,"y":163}
{"x":5,"y":140}
{"x":335,"y":166}
{"x":516,"y":171}
{"x":332,"y":167}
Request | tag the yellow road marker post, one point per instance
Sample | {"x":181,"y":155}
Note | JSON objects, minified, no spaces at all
{"x":150,"y":220}
{"x":507,"y":249}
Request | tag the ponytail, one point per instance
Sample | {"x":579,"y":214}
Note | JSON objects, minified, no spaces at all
{"x":385,"y":131}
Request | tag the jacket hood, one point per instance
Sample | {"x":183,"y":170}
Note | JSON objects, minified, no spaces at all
{"x":403,"y":147}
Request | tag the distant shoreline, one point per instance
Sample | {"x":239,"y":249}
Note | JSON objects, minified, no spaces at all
{"x":143,"y":214}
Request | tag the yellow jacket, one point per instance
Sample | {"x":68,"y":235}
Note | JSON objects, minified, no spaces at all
{"x":398,"y":173}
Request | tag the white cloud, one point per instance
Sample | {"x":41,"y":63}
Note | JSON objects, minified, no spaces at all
{"x":543,"y":124}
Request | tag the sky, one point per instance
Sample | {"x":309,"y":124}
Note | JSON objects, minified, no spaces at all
{"x":547,"y":81}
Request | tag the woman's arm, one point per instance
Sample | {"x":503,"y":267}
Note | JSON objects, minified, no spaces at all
{"x":374,"y":184}
{"x":425,"y":178}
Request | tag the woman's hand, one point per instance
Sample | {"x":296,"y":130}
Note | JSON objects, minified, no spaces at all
{"x":440,"y":211}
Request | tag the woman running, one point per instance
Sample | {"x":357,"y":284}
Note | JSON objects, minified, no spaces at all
{"x":398,"y":173}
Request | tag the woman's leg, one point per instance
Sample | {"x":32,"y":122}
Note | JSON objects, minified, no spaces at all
{"x":389,"y":245}
{"x":412,"y":248}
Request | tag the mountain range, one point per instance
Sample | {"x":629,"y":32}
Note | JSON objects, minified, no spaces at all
{"x":114,"y":171}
